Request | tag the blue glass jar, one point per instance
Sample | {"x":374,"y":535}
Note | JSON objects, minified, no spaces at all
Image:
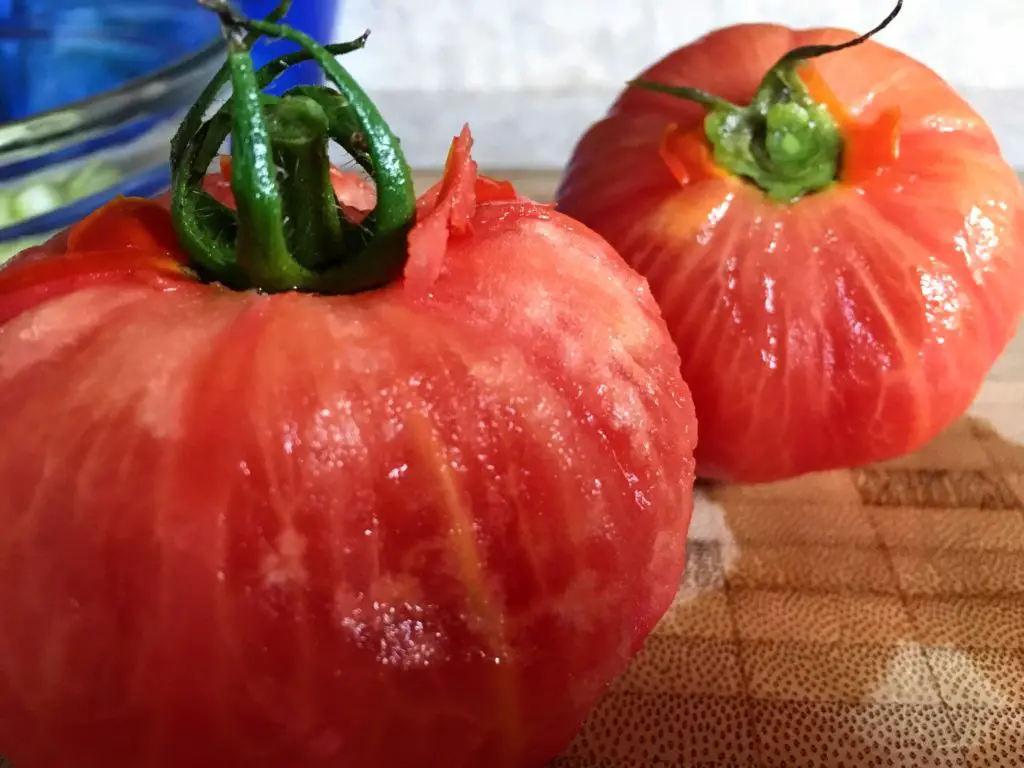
{"x":91,"y":91}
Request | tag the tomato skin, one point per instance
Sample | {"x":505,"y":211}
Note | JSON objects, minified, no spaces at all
{"x":847,"y":328}
{"x":419,"y":526}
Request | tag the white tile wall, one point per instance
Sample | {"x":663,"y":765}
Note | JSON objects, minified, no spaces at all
{"x":552,"y":45}
{"x":497,"y":62}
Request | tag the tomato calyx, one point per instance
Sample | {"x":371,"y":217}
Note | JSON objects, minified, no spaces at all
{"x":288,"y":231}
{"x":788,"y":142}
{"x":445,"y":212}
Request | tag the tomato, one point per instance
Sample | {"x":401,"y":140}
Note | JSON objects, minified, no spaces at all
{"x":823,"y":327}
{"x":420,"y":524}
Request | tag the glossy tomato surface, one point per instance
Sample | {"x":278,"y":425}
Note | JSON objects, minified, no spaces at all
{"x":419,"y":526}
{"x":850,"y":326}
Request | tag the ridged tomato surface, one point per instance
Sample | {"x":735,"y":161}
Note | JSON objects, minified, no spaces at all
{"x":419,"y":526}
{"x":850,"y":326}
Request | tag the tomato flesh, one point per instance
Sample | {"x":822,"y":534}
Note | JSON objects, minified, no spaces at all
{"x":849,"y":327}
{"x":419,"y":526}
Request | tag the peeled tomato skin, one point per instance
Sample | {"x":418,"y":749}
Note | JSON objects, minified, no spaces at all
{"x":401,"y":528}
{"x":849,"y":327}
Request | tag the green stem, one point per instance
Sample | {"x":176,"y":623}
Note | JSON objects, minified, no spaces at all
{"x":785,"y":142}
{"x":703,"y":98}
{"x":311,"y":218}
{"x":205,"y":227}
{"x":263,"y":250}
{"x":288,"y":231}
{"x":382,"y":259}
{"x":194,"y":117}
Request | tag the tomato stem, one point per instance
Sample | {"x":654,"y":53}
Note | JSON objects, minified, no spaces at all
{"x":288,"y":232}
{"x":785,"y":141}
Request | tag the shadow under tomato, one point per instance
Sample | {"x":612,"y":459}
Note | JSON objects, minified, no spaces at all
{"x":872,"y":617}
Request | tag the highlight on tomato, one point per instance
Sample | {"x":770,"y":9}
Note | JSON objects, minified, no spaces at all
{"x":831,"y":232}
{"x":299,"y":483}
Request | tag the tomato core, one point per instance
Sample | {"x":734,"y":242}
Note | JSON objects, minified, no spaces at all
{"x":790,"y":140}
{"x":288,"y":231}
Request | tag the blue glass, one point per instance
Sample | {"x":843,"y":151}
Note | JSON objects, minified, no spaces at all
{"x":54,"y":52}
{"x":314,"y":17}
{"x":93,"y":89}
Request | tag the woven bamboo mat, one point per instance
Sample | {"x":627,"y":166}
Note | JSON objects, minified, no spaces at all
{"x":857,"y":618}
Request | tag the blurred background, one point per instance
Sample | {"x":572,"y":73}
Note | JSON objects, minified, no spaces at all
{"x":529,"y":76}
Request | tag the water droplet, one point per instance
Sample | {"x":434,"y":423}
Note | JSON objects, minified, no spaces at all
{"x":396,"y":473}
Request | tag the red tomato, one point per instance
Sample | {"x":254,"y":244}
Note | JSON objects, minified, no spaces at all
{"x":849,"y":326}
{"x":418,"y":526}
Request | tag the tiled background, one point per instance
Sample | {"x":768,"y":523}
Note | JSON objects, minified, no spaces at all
{"x":558,"y":45}
{"x":530,"y":76}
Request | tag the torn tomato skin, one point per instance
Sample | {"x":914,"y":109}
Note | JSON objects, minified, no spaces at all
{"x":849,"y":326}
{"x":420,"y":525}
